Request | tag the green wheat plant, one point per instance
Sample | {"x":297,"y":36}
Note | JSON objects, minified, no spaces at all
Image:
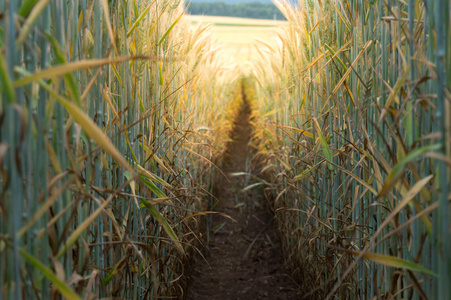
{"x":354,"y":127}
{"x":110,"y":123}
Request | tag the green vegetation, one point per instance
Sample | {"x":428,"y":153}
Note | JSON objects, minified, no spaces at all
{"x":241,"y":25}
{"x":113,"y":115}
{"x":355,"y":129}
{"x":254,"y":10}
{"x":109,"y":120}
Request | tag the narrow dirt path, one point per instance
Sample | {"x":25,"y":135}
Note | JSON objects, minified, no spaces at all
{"x":245,"y":258}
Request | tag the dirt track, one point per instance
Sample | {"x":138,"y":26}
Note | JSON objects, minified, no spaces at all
{"x":245,"y":259}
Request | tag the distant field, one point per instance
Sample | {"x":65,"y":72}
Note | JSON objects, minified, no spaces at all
{"x":234,"y":20}
{"x":239,"y":35}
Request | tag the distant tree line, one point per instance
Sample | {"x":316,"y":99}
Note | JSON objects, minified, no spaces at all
{"x":254,"y":10}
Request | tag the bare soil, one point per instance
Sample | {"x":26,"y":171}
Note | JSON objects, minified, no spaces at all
{"x":244,"y":259}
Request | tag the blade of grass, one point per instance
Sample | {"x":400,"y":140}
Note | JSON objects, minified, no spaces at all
{"x":32,"y":17}
{"x":396,"y":262}
{"x":61,"y":286}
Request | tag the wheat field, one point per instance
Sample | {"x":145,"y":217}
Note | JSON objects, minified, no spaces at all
{"x":115,"y":117}
{"x":240,"y":38}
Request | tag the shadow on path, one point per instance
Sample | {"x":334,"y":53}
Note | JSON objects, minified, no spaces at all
{"x":245,"y":259}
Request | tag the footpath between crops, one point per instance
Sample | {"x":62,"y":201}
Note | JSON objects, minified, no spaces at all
{"x":244,"y":259}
